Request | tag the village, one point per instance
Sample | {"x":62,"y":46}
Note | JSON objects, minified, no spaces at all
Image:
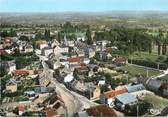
{"x":72,"y":78}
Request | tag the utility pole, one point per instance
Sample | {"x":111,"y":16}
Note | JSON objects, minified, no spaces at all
{"x":147,"y":72}
{"x":158,"y":66}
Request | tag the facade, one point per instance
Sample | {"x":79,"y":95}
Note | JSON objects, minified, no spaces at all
{"x":28,"y":48}
{"x":94,"y":93}
{"x":109,"y":97}
{"x":11,"y":86}
{"x":9,"y":65}
{"x":46,"y":51}
{"x":125,"y":99}
{"x":97,"y":111}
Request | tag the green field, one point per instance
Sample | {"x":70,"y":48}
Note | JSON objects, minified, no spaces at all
{"x":158,"y":102}
{"x":135,"y":70}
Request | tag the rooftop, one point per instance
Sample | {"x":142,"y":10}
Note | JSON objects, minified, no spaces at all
{"x":101,"y":110}
{"x":126,"y":98}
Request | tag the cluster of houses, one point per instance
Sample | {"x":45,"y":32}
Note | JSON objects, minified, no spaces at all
{"x":9,"y":44}
{"x":70,"y":57}
{"x":17,"y":77}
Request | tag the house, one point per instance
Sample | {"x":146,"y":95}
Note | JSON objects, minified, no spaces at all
{"x":86,"y":61}
{"x":164,"y":89}
{"x":137,"y":90}
{"x":75,"y":60}
{"x":24,"y":72}
{"x":11,"y":86}
{"x":101,"y":82}
{"x":30,"y":94}
{"x":109,"y":97}
{"x":78,"y":86}
{"x":46,"y":51}
{"x":3,"y":53}
{"x":42,"y":90}
{"x":73,"y":54}
{"x":80,"y":53}
{"x":68,"y":77}
{"x":7,"y":41}
{"x":125,"y":99}
{"x":82,"y":69}
{"x":89,"y":52}
{"x":153,"y":85}
{"x":102,"y":55}
{"x":120,"y":60}
{"x":53,"y":101}
{"x":50,"y":112}
{"x":28,"y":48}
{"x":21,"y":110}
{"x":97,"y":111}
{"x":93,"y":92}
{"x":8,"y":65}
{"x":41,"y":44}
{"x":61,"y":49}
{"x":71,"y":43}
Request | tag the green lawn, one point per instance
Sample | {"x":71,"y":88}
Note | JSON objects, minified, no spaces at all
{"x":135,"y":70}
{"x":158,"y":102}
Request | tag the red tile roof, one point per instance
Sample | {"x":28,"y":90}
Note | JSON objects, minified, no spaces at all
{"x":50,"y":112}
{"x":20,"y":72}
{"x":76,"y":59}
{"x":3,"y":52}
{"x":113,"y":93}
{"x":120,"y":59}
{"x":101,"y":111}
{"x":7,"y":40}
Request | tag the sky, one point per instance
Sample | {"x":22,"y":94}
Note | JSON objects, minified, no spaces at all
{"x":82,"y":5}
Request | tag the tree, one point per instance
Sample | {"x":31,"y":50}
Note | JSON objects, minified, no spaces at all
{"x":13,"y":33}
{"x":88,"y":36}
{"x":24,"y":38}
{"x":2,"y":71}
{"x":47,"y":34}
{"x":159,"y":41}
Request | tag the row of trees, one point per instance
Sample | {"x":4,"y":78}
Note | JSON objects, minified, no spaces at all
{"x":130,"y":40}
{"x":127,"y":40}
{"x":10,"y":33}
{"x":161,"y":41}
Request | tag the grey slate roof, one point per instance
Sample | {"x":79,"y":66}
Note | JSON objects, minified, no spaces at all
{"x":135,"y":88}
{"x":126,"y":98}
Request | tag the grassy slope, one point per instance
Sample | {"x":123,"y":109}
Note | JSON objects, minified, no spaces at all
{"x":135,"y":70}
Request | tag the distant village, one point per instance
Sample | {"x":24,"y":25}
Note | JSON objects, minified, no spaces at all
{"x":45,"y":77}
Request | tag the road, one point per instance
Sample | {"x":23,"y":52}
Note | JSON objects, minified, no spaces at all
{"x":74,"y":102}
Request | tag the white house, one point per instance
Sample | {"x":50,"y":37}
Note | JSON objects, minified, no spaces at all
{"x":43,"y":46}
{"x":86,"y":60}
{"x":69,"y":77}
{"x":46,"y":51}
{"x":61,"y":49}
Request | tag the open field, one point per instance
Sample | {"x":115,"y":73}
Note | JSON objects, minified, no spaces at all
{"x":135,"y":70}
